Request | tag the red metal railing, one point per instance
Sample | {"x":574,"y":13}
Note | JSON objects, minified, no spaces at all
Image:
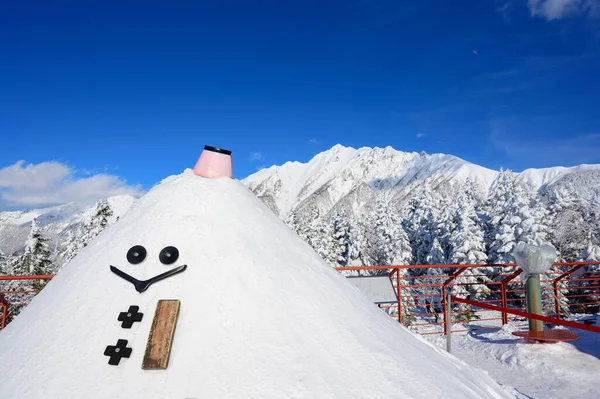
{"x":572,"y":287}
{"x":566,"y":289}
{"x":4,"y":304}
{"x":15,"y":299}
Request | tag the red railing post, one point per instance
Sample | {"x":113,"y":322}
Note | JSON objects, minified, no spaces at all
{"x":556,"y":303}
{"x":4,"y":304}
{"x":444,"y":309}
{"x":398,"y":283}
{"x":444,"y":294}
{"x":503,"y":293}
{"x":503,"y":285}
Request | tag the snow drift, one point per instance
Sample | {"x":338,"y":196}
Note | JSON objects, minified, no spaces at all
{"x":262,"y":316}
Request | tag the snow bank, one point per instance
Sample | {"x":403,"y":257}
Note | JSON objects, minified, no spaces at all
{"x":565,"y":370}
{"x":262,"y":316}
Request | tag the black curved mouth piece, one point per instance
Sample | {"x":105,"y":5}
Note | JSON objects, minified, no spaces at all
{"x":141,"y":286}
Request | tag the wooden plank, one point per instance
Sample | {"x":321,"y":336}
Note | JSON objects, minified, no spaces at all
{"x":160,"y":340}
{"x":558,"y":335}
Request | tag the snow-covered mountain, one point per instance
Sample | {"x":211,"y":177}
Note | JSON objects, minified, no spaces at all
{"x":57,"y":224}
{"x":348,"y":178}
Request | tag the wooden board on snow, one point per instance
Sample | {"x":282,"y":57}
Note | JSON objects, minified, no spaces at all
{"x":160,"y":340}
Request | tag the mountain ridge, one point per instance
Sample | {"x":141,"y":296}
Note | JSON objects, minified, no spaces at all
{"x":335,"y":174}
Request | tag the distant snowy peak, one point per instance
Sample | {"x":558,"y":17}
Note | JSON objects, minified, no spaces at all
{"x":54,"y":222}
{"x":342,"y":170}
{"x":334,"y":176}
{"x":542,"y":178}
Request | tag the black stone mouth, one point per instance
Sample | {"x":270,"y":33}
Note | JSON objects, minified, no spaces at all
{"x":141,"y":286}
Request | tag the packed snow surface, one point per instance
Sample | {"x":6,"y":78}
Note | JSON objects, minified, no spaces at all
{"x":262,"y":316}
{"x":565,"y":370}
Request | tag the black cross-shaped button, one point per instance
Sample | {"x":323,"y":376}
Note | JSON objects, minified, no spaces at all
{"x":130,"y":317}
{"x":117,"y":352}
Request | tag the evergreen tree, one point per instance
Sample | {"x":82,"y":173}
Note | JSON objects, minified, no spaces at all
{"x":3,"y":262}
{"x":516,"y":217}
{"x":357,"y":244}
{"x":387,"y":241}
{"x":387,"y":244}
{"x":467,"y":247}
{"x":420,"y":223}
{"x":81,"y":237}
{"x":340,"y":230}
{"x":592,"y":252}
{"x":571,"y":232}
{"x":319,"y":235}
{"x":36,"y":259}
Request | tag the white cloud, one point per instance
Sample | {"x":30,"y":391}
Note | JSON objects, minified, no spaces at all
{"x":421,"y":135}
{"x":53,"y":183}
{"x":557,"y":9}
{"x":474,"y":52}
{"x":313,"y":141}
{"x":256,"y":156}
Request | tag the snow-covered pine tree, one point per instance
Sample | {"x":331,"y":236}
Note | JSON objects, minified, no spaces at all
{"x":420,"y":222}
{"x":387,"y":244}
{"x":444,"y":212}
{"x":435,"y":255}
{"x":358,"y":243}
{"x":503,"y":223}
{"x":320,"y":238}
{"x":340,"y":230}
{"x":570,"y":232}
{"x":79,"y":238}
{"x":584,"y":293}
{"x":3,"y":262}
{"x":34,"y":261}
{"x":425,"y":237}
{"x":468,"y":247}
{"x":385,"y":235}
{"x":517,"y":217}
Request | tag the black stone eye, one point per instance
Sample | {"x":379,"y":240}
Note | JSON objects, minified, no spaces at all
{"x":136,"y":254}
{"x":168,"y":255}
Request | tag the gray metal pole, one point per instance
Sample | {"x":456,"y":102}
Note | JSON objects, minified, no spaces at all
{"x":534,"y":301}
{"x":448,"y":320}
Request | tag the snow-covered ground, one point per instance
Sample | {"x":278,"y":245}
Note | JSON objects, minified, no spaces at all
{"x":535,"y":370}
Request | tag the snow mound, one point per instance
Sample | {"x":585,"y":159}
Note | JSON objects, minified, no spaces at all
{"x":262,"y":316}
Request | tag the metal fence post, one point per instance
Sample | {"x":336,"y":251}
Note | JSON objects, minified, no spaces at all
{"x":4,"y":304}
{"x":448,"y":321}
{"x":398,"y":282}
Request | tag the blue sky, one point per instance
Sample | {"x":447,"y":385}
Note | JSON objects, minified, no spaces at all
{"x":116,"y":95}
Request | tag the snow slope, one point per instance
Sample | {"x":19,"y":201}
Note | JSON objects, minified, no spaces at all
{"x":536,"y":370}
{"x":262,"y":316}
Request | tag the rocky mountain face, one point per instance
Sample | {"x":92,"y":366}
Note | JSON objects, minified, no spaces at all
{"x":349,"y":180}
